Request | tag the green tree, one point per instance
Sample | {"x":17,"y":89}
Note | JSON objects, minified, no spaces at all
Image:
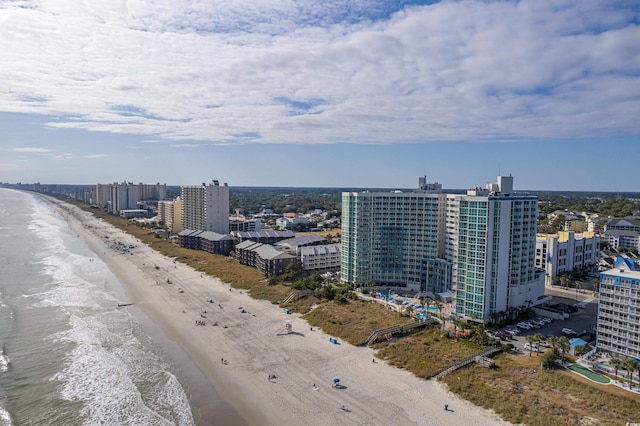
{"x":439,"y":306}
{"x":580,"y":350}
{"x":531,"y":341}
{"x":329,"y":292}
{"x":616,"y":363}
{"x":548,"y":360}
{"x":564,"y":346}
{"x":538,"y":338}
{"x":409,"y":311}
{"x":554,"y":342}
{"x":631,"y":366}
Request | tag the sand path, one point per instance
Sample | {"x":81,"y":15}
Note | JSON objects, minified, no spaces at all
{"x":255,"y":345}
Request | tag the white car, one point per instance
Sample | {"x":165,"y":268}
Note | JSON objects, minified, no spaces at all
{"x":524,"y":326}
{"x":568,"y":331}
{"x":533,"y":347}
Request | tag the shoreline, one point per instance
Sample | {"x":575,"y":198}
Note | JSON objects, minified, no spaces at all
{"x":255,"y":345}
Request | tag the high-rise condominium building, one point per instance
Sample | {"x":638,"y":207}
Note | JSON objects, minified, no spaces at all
{"x":206,"y":207}
{"x":170,"y":212}
{"x":618,"y":329}
{"x":480,"y":245}
{"x":126,"y":195}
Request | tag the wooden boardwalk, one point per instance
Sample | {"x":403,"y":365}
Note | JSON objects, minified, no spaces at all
{"x":398,"y":329}
{"x":478,"y":357}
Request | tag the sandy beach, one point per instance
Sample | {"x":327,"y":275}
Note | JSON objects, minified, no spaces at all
{"x":251,"y":337}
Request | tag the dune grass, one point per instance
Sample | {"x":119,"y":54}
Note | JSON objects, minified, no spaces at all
{"x":426,"y":352}
{"x":519,"y":391}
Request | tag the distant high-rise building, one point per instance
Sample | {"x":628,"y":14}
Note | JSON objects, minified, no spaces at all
{"x":170,"y":212}
{"x":126,"y":195}
{"x":480,"y":245}
{"x":206,"y":207}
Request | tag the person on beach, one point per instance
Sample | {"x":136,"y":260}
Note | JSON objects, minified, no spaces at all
{"x":446,"y":407}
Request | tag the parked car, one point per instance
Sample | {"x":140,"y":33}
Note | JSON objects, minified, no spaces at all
{"x":568,"y":331}
{"x":524,"y":326}
{"x":533,"y":347}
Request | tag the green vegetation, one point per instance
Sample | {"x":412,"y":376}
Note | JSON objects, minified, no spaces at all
{"x":603,"y":204}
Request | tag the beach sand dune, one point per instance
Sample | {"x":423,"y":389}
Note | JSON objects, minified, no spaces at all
{"x":250,"y":335}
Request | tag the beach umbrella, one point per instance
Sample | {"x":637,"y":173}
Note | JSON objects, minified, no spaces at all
{"x":239,"y":307}
{"x":336,"y":380}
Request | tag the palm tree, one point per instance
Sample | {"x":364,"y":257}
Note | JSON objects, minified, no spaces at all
{"x":409,"y":311}
{"x":564,"y":346}
{"x":538,"y":338}
{"x":580,"y":350}
{"x":627,"y":363}
{"x":531,"y":341}
{"x":616,"y":363}
{"x":440,"y":306}
{"x":554,"y":341}
{"x":635,"y":365}
{"x":564,"y":281}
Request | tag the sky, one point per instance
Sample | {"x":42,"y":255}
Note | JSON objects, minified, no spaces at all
{"x":328,"y":93}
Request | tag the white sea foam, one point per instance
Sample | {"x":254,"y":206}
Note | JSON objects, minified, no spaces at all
{"x":114,"y":375}
{"x":110,"y":370}
{"x":5,"y":417}
{"x":4,"y":362}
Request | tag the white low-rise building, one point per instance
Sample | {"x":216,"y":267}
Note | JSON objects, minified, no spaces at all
{"x":566,"y":252}
{"x":319,"y":259}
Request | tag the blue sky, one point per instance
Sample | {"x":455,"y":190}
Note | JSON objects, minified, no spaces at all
{"x":321,"y":93}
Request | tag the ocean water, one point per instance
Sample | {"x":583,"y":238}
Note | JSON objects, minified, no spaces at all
{"x":68,"y":355}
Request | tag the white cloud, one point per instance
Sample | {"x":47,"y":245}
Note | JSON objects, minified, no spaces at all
{"x":34,"y":150}
{"x":185,"y":145}
{"x":322,"y":72}
{"x":94,"y":156}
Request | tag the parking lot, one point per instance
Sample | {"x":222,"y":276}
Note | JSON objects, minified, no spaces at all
{"x":580,"y":321}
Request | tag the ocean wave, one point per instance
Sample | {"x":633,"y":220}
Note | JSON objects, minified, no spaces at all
{"x":118,"y":379}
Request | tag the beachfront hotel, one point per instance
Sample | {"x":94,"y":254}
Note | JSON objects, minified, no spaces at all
{"x":480,"y":245}
{"x":618,"y":330}
{"x":206,"y":207}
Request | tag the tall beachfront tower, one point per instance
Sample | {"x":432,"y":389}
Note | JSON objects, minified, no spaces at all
{"x":491,"y":241}
{"x":388,"y":236}
{"x":481,"y":245}
{"x":206,"y":207}
{"x":619,"y":310}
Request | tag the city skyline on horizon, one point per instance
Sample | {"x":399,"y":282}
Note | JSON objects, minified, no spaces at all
{"x":346,"y":94}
